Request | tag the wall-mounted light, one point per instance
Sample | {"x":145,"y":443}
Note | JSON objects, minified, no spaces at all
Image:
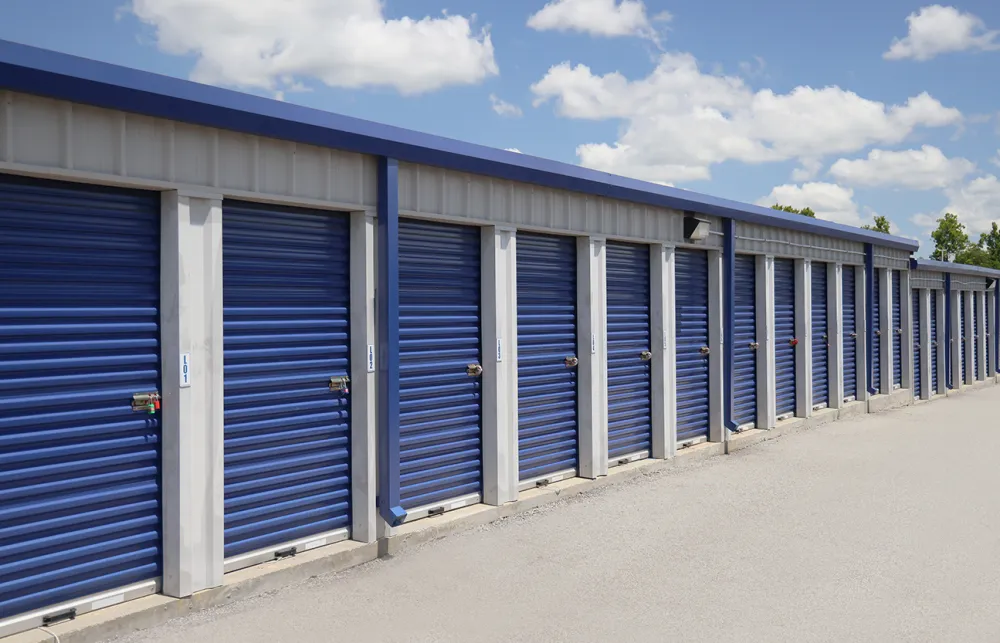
{"x":696,"y":228}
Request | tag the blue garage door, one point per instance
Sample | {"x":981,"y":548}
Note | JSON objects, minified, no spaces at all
{"x":820,"y":338}
{"x":630,"y":425}
{"x":691,"y":317}
{"x":850,"y":322}
{"x":876,"y":322}
{"x":745,"y":342}
{"x":547,"y":429}
{"x":897,"y":330}
{"x":961,"y":309}
{"x":917,"y":353}
{"x":286,"y":297}
{"x":79,"y":336}
{"x":440,"y":410}
{"x":975,"y":335}
{"x":784,"y":333}
{"x":934,"y":343}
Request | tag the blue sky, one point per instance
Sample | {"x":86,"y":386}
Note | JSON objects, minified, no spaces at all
{"x":756,"y":101}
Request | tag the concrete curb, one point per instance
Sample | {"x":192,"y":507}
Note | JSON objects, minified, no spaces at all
{"x":149,"y":611}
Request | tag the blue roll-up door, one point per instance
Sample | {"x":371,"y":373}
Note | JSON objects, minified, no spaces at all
{"x":934,"y":343}
{"x":691,"y":318}
{"x":286,"y":317}
{"x":820,"y":337}
{"x":745,"y":342}
{"x":897,"y":330}
{"x":630,"y":424}
{"x":440,"y":410}
{"x":975,"y":335}
{"x":547,"y":428}
{"x":917,"y":371}
{"x":784,"y":334}
{"x":79,"y":336}
{"x":961,"y":308}
{"x":876,"y":322}
{"x":850,"y":322}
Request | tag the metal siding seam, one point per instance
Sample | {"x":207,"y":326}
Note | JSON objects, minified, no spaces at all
{"x":547,"y":421}
{"x":286,"y":317}
{"x":820,"y":336}
{"x":440,"y":337}
{"x":745,"y":344}
{"x":785,"y":339}
{"x":629,"y":374}
{"x":850,"y":329}
{"x":80,"y":504}
{"x":691,"y":314}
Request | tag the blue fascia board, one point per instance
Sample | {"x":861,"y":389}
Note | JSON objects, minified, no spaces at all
{"x":61,"y":76}
{"x":953,"y":268}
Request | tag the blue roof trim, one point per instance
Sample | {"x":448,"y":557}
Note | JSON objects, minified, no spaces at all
{"x":61,"y":76}
{"x":953,"y":268}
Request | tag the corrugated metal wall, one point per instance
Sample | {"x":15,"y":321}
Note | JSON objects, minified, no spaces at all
{"x":781,"y":242}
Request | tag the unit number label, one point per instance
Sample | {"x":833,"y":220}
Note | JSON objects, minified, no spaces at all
{"x":664,"y":341}
{"x":499,"y":349}
{"x":593,"y":343}
{"x":185,"y":370}
{"x":371,"y":358}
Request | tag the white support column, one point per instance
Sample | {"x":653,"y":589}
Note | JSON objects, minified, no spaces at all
{"x":592,"y":351}
{"x":885,"y":326}
{"x":957,"y":340}
{"x":766,"y":384}
{"x":940,"y":342}
{"x":991,"y":325}
{"x":906,"y":338}
{"x":664,"y":349}
{"x":981,"y":320}
{"x":499,"y":296}
{"x":191,"y":336}
{"x":970,"y":331}
{"x":861,"y":329}
{"x":835,"y":330}
{"x":925,"y":340}
{"x":803,"y":332}
{"x":716,"y":384}
{"x":363,"y":392}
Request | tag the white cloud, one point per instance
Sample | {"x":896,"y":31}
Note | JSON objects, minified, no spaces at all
{"x":923,"y":169}
{"x":503,"y":108}
{"x":807,"y":171}
{"x":680,"y":121}
{"x":274,"y":44}
{"x":828,"y":200}
{"x":935,"y":30}
{"x":607,"y":18}
{"x":977,"y":204}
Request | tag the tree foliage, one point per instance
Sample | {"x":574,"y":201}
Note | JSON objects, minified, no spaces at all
{"x":806,"y":212}
{"x":881,"y":225}
{"x":952,"y":243}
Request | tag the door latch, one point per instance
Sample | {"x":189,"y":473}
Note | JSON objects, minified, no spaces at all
{"x":705,"y":350}
{"x":754,"y":345}
{"x":646,"y":356}
{"x":340,"y":384}
{"x":899,"y":331}
{"x":571,"y":361}
{"x":793,"y":341}
{"x":854,"y":335}
{"x":473,"y":370}
{"x":146,"y":402}
{"x":878,"y":333}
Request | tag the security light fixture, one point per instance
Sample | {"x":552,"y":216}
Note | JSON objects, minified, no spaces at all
{"x":695,"y":228}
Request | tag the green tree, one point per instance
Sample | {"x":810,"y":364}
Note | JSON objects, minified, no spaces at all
{"x":975,"y":255}
{"x":881,"y":225}
{"x":990,"y":242}
{"x":806,"y":212}
{"x":950,"y":238}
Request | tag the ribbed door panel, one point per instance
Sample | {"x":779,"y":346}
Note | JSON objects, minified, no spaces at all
{"x":784,"y":333}
{"x":917,"y":374}
{"x":897,"y":330}
{"x":745,"y":339}
{"x":820,"y":337}
{"x":691,"y":317}
{"x":975,"y":335}
{"x":630,"y":425}
{"x":286,"y":297}
{"x":934,"y":342}
{"x":547,"y":427}
{"x":962,"y":329}
{"x":876,"y":322}
{"x":440,"y":409}
{"x":850,"y":322}
{"x":79,"y":335}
